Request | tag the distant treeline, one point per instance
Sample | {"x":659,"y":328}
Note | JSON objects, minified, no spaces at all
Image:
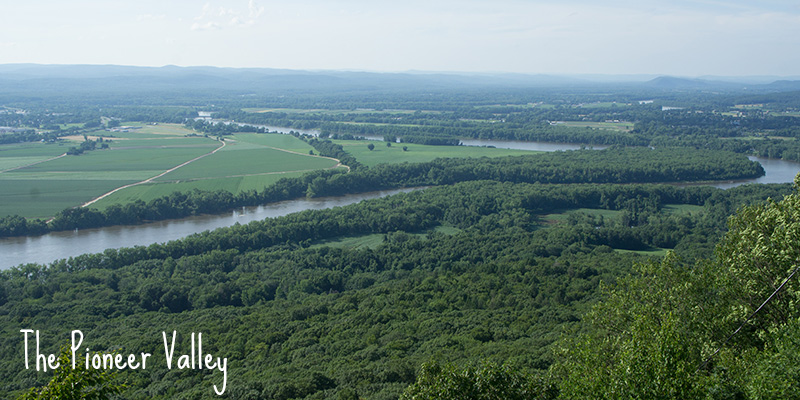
{"x":541,"y":131}
{"x":700,"y":125}
{"x":89,"y":119}
{"x":326,"y":148}
{"x":29,"y":135}
{"x":614,"y":165}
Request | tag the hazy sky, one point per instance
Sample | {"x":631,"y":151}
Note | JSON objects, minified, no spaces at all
{"x":677,"y":37}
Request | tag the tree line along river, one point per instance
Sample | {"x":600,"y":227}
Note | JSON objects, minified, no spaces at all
{"x":56,"y":245}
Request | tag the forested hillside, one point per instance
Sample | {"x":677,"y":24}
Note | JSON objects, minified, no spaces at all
{"x":298,"y":319}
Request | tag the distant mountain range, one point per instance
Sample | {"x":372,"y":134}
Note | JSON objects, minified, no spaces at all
{"x":108,"y":78}
{"x":670,"y":82}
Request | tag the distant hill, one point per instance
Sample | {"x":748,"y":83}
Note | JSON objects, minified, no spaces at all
{"x":142,"y":78}
{"x":671,"y":82}
{"x":102,"y":82}
{"x":736,"y":84}
{"x":784,"y":85}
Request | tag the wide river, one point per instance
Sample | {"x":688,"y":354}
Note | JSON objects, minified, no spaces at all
{"x":48,"y":248}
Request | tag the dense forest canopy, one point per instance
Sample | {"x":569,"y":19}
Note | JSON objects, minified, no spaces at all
{"x":308,"y":319}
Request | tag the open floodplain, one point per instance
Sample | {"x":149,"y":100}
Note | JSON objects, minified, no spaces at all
{"x":151,"y":161}
{"x":39,"y":179}
{"x":382,"y":154}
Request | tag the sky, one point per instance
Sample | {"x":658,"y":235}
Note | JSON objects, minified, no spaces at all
{"x":676,"y":37}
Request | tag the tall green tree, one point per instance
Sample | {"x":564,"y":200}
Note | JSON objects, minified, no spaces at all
{"x":488,"y":381}
{"x":76,"y":384}
{"x":724,"y":328}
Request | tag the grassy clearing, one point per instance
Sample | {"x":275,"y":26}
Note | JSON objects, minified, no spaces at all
{"x":562,"y":216}
{"x":416,"y":152}
{"x":654,"y":252}
{"x":681,"y":209}
{"x":353,"y":242}
{"x":447,"y":230}
{"x":376,"y":239}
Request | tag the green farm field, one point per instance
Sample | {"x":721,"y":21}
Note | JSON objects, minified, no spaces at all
{"x":35,"y":149}
{"x":41,"y":198}
{"x":253,"y":156}
{"x":150,"y":191}
{"x":38,"y":181}
{"x":144,"y":160}
{"x":252,"y":161}
{"x":163,"y":142}
{"x":247,"y":162}
{"x":416,"y":152}
{"x":285,"y":142}
{"x":612,"y":126}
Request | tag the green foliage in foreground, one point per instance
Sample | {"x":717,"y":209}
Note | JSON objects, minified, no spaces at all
{"x":79,"y":383}
{"x":485,"y":382}
{"x":656,"y":334}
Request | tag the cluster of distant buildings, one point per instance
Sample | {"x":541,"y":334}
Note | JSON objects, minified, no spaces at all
{"x":8,"y":129}
{"x":7,"y":110}
{"x":123,"y":128}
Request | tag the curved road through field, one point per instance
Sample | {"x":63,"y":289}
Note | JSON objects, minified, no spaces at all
{"x":31,"y":164}
{"x":155,"y":177}
{"x":338,"y":164}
